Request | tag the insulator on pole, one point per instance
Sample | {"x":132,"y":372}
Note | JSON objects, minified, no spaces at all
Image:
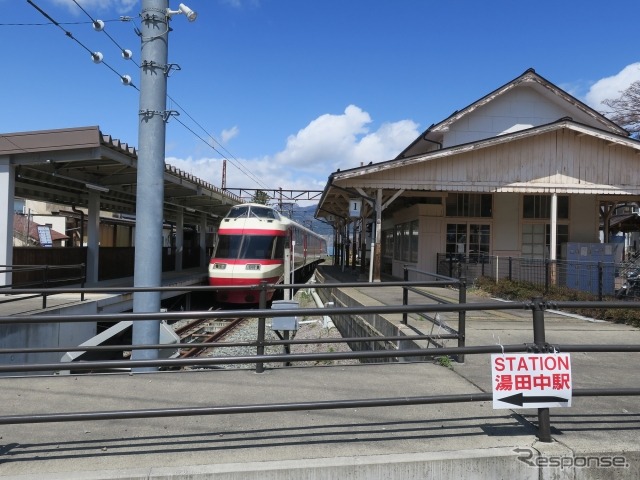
{"x":97,"y":57}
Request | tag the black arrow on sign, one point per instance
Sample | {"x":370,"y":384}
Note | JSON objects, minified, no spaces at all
{"x":519,"y":399}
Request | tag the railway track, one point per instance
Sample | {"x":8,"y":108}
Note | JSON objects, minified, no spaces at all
{"x":204,"y":331}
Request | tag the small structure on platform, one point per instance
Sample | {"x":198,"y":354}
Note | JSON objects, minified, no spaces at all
{"x":119,"y":334}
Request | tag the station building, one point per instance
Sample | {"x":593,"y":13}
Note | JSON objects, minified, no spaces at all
{"x":87,"y":180}
{"x":521,"y":172}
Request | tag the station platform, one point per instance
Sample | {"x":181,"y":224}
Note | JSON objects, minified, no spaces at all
{"x":104,"y":302}
{"x":454,"y":440}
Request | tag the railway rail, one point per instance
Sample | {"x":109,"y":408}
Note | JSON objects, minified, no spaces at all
{"x":202,"y":332}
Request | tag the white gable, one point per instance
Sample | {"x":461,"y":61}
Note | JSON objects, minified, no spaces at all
{"x":518,"y":109}
{"x":528,"y":101}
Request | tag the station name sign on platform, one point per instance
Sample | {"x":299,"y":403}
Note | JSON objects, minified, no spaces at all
{"x":532,"y":380}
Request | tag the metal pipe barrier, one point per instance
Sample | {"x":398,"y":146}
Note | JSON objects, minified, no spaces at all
{"x":539,"y":345}
{"x":276,"y":407}
{"x":441,"y":281}
{"x":45,"y":281}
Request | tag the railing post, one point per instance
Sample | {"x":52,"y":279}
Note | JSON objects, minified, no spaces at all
{"x":405,"y":295}
{"x":462,"y":317}
{"x":83,"y":274}
{"x":261,"y":326}
{"x":510,"y":268}
{"x":546,"y":275}
{"x":451,"y":265}
{"x":600,"y":281}
{"x":45,"y":281}
{"x":544,"y":422}
{"x":482,"y":263}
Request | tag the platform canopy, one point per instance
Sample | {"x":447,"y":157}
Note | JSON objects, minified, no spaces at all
{"x":62,"y":166}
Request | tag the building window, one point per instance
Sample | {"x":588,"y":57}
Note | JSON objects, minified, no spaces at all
{"x":536,"y":239}
{"x":539,"y":206}
{"x":414,"y":243}
{"x":533,"y":241}
{"x":387,"y":243}
{"x":469,"y":205}
{"x":19,"y":205}
{"x":468,"y":239}
{"x":406,"y":242}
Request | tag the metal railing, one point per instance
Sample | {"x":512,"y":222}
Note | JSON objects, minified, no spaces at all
{"x":537,"y":345}
{"x":46,"y":276}
{"x":439,"y":281}
{"x":598,"y":278}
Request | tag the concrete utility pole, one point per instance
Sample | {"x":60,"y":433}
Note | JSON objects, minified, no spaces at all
{"x":150,"y":184}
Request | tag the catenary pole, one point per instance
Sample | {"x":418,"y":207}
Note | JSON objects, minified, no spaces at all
{"x":150,"y":182}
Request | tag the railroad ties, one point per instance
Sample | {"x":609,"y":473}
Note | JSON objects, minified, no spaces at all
{"x":202,"y":333}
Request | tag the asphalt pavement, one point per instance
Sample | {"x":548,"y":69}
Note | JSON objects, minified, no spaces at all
{"x":452,"y":440}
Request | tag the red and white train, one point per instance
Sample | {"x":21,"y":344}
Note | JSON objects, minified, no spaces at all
{"x":250,"y":249}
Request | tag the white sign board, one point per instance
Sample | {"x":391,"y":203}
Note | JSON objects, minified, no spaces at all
{"x":355,"y":207}
{"x":44,"y":232}
{"x":531,"y":380}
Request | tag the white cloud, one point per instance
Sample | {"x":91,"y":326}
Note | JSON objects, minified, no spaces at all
{"x":242,"y":3}
{"x":121,"y":6}
{"x":612,"y":87}
{"x":207,"y":169}
{"x":344,"y":141}
{"x":230,"y":133}
{"x":327,"y":143}
{"x":386,"y":143}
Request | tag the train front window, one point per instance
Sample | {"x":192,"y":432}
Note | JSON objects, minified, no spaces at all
{"x":264,"y":212}
{"x":258,"y":247}
{"x":228,"y":246}
{"x":238,"y":211}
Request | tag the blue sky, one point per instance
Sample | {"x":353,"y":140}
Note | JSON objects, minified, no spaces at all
{"x":294,"y":89}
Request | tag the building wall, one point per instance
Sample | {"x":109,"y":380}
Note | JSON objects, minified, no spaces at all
{"x":505,"y":231}
{"x":399,"y":217}
{"x":123,"y":235}
{"x":517,"y":109}
{"x":585,"y":220}
{"x":561,"y":161}
{"x":506,"y":227}
{"x":431,"y":236}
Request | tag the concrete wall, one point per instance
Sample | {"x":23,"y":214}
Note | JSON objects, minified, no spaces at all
{"x":46,"y":335}
{"x":370,"y":325}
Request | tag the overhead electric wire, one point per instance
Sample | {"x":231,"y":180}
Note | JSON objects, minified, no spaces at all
{"x":234,"y":161}
{"x":70,"y":35}
{"x":95,"y":22}
{"x":50,"y":23}
{"x":200,"y":126}
{"x":238,"y":165}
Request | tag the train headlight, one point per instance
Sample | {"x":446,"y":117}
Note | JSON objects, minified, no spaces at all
{"x":253,"y":266}
{"x":219,"y":266}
